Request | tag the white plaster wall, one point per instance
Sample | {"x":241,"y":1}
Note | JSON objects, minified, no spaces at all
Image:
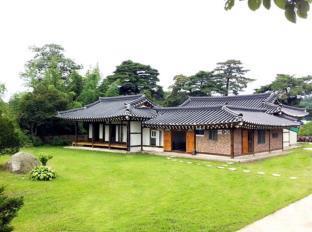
{"x":106,"y":132}
{"x":293,"y":138}
{"x":101,"y":131}
{"x":135,"y":127}
{"x":124,"y":133}
{"x":135,"y":139}
{"x":146,"y":136}
{"x":90,"y":130}
{"x":286,"y":138}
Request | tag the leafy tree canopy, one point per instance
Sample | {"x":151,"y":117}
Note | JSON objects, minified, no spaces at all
{"x":134,"y":78}
{"x":230,"y":77}
{"x":292,"y":8}
{"x":48,"y":58}
{"x":290,"y":89}
{"x":89,"y":92}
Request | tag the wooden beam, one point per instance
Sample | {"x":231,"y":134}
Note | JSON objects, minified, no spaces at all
{"x":270,"y":140}
{"x":232,"y":143}
{"x":128,"y":135}
{"x":141,"y":137}
{"x":109,"y":134}
{"x":92,"y":126}
{"x":76,"y":133}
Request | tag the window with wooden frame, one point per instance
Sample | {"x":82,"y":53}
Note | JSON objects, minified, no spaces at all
{"x":261,"y":136}
{"x":153,"y":137}
{"x":200,"y":132}
{"x":213,"y":135}
{"x":274,"y":135}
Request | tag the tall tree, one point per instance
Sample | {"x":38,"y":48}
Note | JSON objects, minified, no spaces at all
{"x":90,"y":91}
{"x":204,"y":83}
{"x":231,"y":75}
{"x":54,"y":83}
{"x":49,"y":58}
{"x":291,"y":8}
{"x":290,"y":89}
{"x":134,"y":78}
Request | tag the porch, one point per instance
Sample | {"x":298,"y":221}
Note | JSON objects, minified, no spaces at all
{"x":99,"y":144}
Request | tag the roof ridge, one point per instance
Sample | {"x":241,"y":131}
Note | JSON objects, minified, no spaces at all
{"x":228,"y":97}
{"x":191,"y":108}
{"x":293,"y":107}
{"x":246,"y":108}
{"x":120,"y":97}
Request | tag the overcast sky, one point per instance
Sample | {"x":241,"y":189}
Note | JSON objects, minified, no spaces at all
{"x":173,"y":36}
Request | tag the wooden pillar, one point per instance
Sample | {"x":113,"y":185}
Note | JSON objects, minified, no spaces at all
{"x":232,"y":143}
{"x":109,"y":135}
{"x":128,"y":136}
{"x":76,"y":133}
{"x":92,"y":126}
{"x":121,"y":131}
{"x":270,"y":140}
{"x":141,"y":137}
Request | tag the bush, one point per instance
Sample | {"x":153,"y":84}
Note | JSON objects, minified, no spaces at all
{"x":42,"y":173}
{"x":9,"y":151}
{"x":8,"y":210}
{"x":57,"y":141}
{"x":36,"y":141}
{"x":8,"y":137}
{"x":44,"y":159}
{"x":306,"y":129}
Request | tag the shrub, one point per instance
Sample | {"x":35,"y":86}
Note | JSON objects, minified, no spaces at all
{"x":306,"y":129}
{"x":8,"y":136}
{"x":9,"y":150}
{"x":36,"y":141}
{"x":57,"y":141}
{"x":42,"y":173}
{"x":8,"y":210}
{"x":44,"y":159}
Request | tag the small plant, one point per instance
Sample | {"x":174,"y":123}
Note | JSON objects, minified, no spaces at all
{"x":44,"y":159}
{"x":42,"y":173}
{"x":9,"y":207}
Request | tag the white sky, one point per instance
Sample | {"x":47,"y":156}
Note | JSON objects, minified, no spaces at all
{"x":174,"y":36}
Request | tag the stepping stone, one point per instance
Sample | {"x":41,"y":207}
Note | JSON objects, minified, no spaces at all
{"x":230,"y":163}
{"x":181,"y":161}
{"x":198,"y":164}
{"x":209,"y":165}
{"x":189,"y":162}
{"x":168,"y":158}
{"x":232,"y":169}
{"x":246,"y":170}
{"x":293,"y":177}
{"x":276,"y":174}
{"x":260,"y":173}
{"x":220,"y":167}
{"x":225,"y":165}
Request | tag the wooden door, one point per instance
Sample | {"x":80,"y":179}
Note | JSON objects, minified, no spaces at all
{"x":167,"y":141}
{"x":190,"y":141}
{"x":245,"y":141}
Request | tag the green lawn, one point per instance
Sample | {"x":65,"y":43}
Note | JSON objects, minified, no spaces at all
{"x":98,"y":191}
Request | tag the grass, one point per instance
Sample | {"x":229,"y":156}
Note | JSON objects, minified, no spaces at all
{"x":98,"y":191}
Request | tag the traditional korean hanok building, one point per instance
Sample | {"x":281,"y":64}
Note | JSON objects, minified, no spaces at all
{"x":229,"y":126}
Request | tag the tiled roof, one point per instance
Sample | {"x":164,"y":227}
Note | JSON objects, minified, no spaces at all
{"x":216,"y":116}
{"x":110,"y":108}
{"x":266,"y":101}
{"x":294,"y":111}
{"x":253,"y":100}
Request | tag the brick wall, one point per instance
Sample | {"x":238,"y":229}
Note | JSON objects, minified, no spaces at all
{"x":277,"y":143}
{"x":237,"y":142}
{"x":221,"y":146}
{"x":261,"y":147}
